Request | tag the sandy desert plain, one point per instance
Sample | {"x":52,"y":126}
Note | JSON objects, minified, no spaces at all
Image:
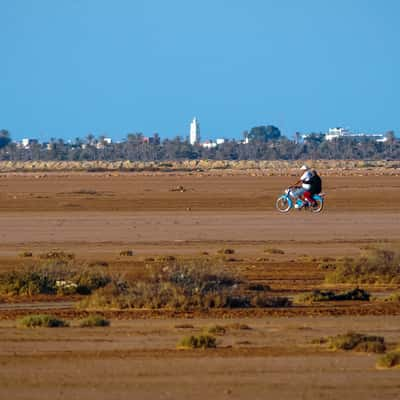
{"x":261,"y":352}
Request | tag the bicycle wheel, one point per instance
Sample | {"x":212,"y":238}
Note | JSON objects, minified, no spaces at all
{"x":283,"y":204}
{"x":318,"y":206}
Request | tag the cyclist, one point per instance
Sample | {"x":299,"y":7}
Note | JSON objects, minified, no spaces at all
{"x":310,"y":185}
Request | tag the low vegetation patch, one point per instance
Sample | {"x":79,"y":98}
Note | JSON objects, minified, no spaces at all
{"x":42,"y":321}
{"x":226,"y":251}
{"x":197,"y":342}
{"x":238,"y":326}
{"x":216,"y":330}
{"x":375,"y":265}
{"x":183,"y":284}
{"x":126,"y":253}
{"x":318,"y":295}
{"x":258,"y":287}
{"x":57,"y":255}
{"x":273,"y":250}
{"x":389,"y":360}
{"x":356,"y":342}
{"x":26,"y":254}
{"x":184,"y":326}
{"x":393,"y":298}
{"x":93,"y":321}
{"x":53,"y":277}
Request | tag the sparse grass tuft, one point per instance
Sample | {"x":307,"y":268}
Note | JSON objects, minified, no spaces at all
{"x":94,"y":320}
{"x":393,"y":298}
{"x":126,"y":253}
{"x":225,"y":251}
{"x":357,"y":342}
{"x":273,"y":250}
{"x":43,"y":321}
{"x":389,"y":360}
{"x":238,"y":326}
{"x":57,"y":255}
{"x":218,"y":330}
{"x":26,"y":254}
{"x":53,"y":277}
{"x":317,"y":295}
{"x":258,"y":287}
{"x":184,"y":326}
{"x":374,"y":266}
{"x":197,"y":342}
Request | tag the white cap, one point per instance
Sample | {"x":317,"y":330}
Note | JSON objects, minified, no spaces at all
{"x":304,"y":167}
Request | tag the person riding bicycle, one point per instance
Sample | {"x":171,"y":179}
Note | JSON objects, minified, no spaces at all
{"x":310,"y":185}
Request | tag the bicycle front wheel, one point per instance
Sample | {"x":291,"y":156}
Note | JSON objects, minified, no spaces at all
{"x":283,"y":204}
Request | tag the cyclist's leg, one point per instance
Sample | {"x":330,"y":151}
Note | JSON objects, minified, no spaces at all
{"x":308,"y":196}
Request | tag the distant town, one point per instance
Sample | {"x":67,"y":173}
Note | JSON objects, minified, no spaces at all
{"x":195,"y":138}
{"x":264,"y":142}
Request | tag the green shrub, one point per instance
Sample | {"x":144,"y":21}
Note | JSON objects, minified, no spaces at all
{"x":374,"y":266}
{"x":225,"y":251}
{"x":273,"y":250}
{"x":184,"y":326}
{"x":317,"y":295}
{"x":126,"y":253}
{"x":389,"y":360}
{"x":357,"y":342}
{"x":43,"y":321}
{"x":393,"y":298}
{"x":94,"y":320}
{"x":26,"y":254}
{"x":53,"y":277}
{"x":27,"y":282}
{"x":216,"y":330}
{"x":238,"y":326}
{"x":57,"y":255}
{"x":197,"y":342}
{"x":258,"y":287}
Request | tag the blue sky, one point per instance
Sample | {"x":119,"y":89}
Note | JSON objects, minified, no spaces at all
{"x":73,"y":67}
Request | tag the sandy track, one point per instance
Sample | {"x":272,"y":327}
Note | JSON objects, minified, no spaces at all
{"x":201,"y":226}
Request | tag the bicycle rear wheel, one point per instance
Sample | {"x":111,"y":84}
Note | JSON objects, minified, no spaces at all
{"x":318,"y":206}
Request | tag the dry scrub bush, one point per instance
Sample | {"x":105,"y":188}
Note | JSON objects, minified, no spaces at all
{"x":197,"y":342}
{"x":94,"y":320}
{"x":393,"y":298}
{"x":26,"y":254}
{"x":357,"y":342}
{"x":57,"y":255}
{"x":53,"y":277}
{"x":273,"y":250}
{"x":42,"y":321}
{"x":317,"y":295}
{"x":389,"y":360}
{"x":182,"y":284}
{"x":218,"y":330}
{"x":374,"y":266}
{"x":225,"y":251}
{"x":126,"y":253}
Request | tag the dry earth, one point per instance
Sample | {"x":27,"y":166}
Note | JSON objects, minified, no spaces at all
{"x":96,"y":215}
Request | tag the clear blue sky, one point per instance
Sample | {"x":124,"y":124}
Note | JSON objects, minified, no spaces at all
{"x":70,"y":67}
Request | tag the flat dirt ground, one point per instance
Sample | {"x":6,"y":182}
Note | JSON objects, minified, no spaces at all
{"x":97,"y":215}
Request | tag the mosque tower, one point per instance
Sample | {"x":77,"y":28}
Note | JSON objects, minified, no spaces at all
{"x":194,"y":137}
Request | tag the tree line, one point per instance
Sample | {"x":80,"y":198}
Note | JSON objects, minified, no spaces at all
{"x":262,"y":143}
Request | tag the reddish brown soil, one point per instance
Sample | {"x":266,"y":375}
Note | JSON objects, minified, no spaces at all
{"x":95,"y":216}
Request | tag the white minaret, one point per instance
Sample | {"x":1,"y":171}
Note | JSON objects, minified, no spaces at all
{"x":194,"y":132}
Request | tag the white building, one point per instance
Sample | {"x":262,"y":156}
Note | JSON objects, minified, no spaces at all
{"x":336,"y":133}
{"x":194,"y":137}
